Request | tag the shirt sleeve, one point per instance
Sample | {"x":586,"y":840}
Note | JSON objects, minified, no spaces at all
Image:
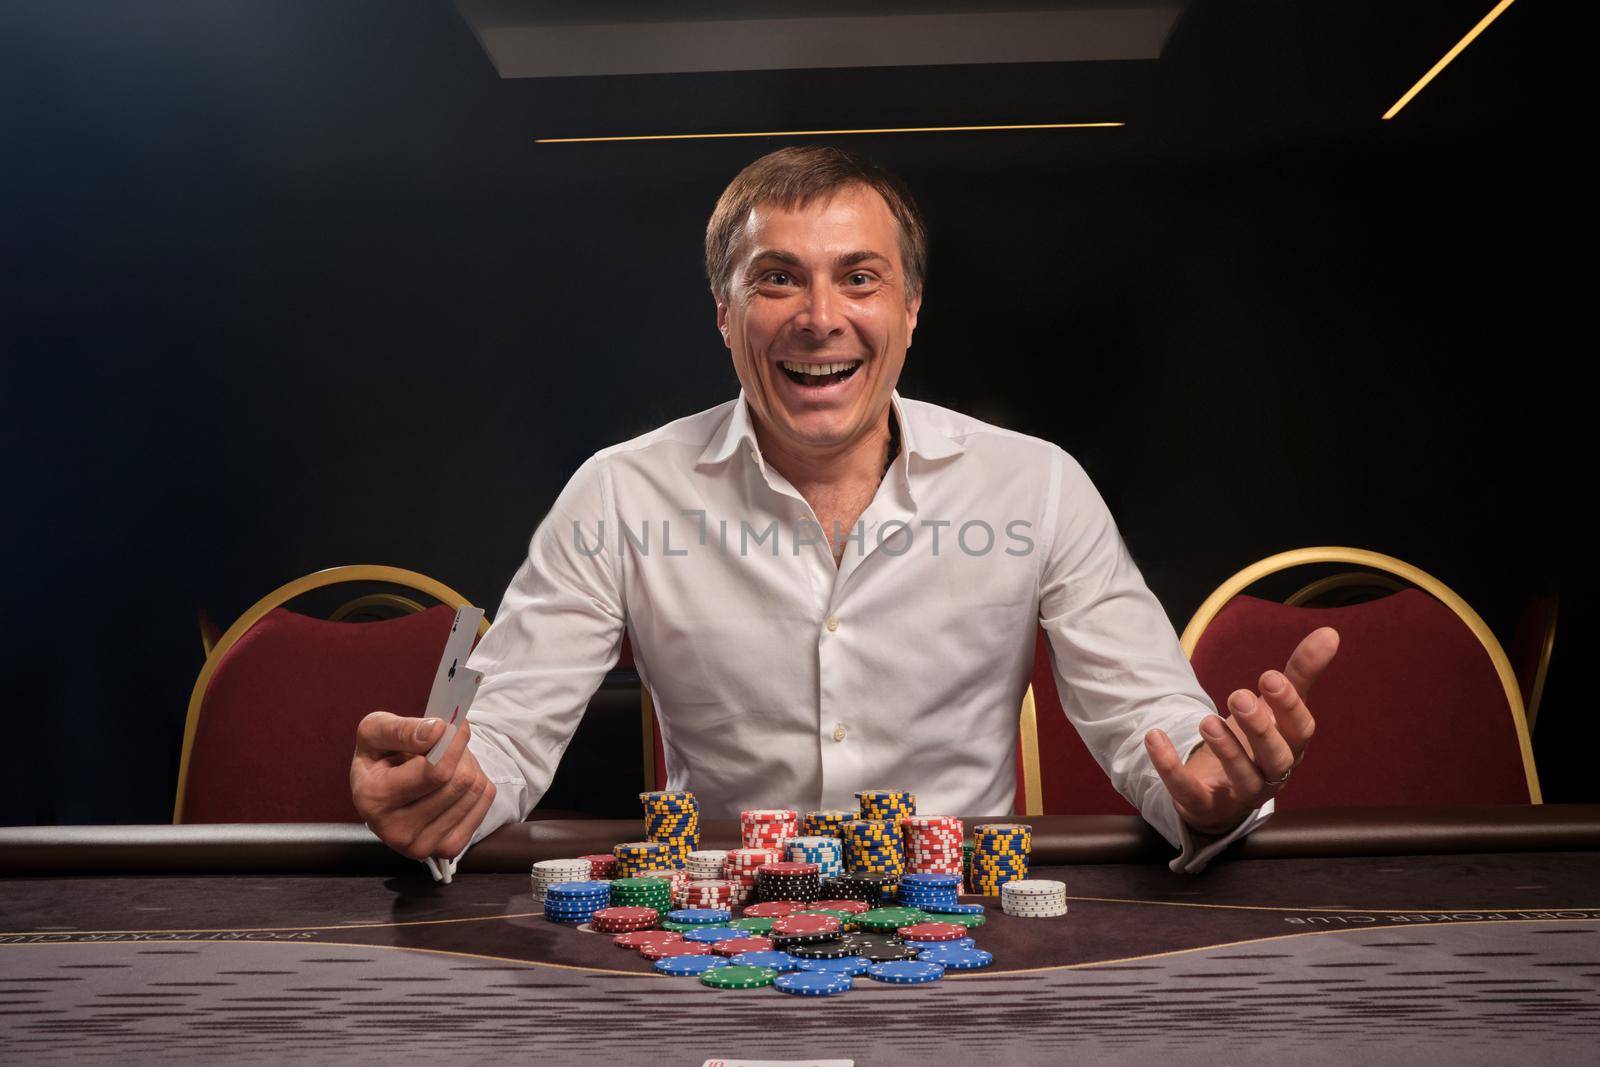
{"x":558,"y":631}
{"x":1118,"y":665}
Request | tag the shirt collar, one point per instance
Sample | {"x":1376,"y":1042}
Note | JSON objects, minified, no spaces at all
{"x":917,"y":437}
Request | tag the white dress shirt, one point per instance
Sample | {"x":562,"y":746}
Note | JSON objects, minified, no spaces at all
{"x":783,"y":680}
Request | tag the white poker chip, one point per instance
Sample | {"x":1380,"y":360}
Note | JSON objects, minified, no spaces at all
{"x":1034,"y":887}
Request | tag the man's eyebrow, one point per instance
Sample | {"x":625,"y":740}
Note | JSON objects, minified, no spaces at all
{"x":849,"y":259}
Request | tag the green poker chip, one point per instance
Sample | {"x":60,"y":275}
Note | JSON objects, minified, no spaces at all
{"x":754,"y":926}
{"x":737,"y":976}
{"x":677,"y":927}
{"x":969,"y":921}
{"x":888,"y":920}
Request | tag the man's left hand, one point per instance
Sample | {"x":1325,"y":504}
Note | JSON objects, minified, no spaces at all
{"x":1263,"y":739}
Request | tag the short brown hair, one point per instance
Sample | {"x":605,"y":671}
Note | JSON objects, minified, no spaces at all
{"x":793,"y":177}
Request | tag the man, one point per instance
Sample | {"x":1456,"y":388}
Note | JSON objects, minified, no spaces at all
{"x":830,"y":587}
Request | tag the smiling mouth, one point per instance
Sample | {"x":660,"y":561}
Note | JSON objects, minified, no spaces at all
{"x":815,"y":375}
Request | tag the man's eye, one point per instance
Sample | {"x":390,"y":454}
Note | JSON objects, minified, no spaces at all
{"x":777,"y":277}
{"x":859,"y":278}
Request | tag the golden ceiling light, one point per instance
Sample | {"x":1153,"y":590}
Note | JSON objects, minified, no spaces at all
{"x":1460,"y":46}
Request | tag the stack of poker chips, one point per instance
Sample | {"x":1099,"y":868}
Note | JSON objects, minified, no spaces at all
{"x":788,"y":881}
{"x":1000,"y":855}
{"x":741,"y":869}
{"x":682,"y":920}
{"x":870,"y":889}
{"x":930,"y":892}
{"x":602,"y":867}
{"x":575,"y":902}
{"x":677,"y":881}
{"x":826,"y":852}
{"x":768,"y":827}
{"x":707,"y":893}
{"x":673,"y":818}
{"x":707,"y":864}
{"x":548,"y":872}
{"x":873,"y":846}
{"x":826,"y":823}
{"x":967,"y":849}
{"x":642,"y":893}
{"x":890,"y":805}
{"x":634,"y":857}
{"x":933,"y":843}
{"x":620,"y":920}
{"x":1034,"y":898}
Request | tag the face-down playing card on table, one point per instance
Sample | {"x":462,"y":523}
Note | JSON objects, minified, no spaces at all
{"x":454,"y":685}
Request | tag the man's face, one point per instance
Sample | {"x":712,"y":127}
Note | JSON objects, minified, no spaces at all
{"x":819,"y":288}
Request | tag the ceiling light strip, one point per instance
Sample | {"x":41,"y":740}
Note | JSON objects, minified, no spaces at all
{"x":1482,"y":25}
{"x":830,"y":133}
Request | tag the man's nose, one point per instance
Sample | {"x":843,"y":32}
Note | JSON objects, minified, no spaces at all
{"x":820,"y":317}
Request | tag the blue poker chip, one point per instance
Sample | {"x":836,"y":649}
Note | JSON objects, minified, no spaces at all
{"x":712,"y":934}
{"x":689,"y":966}
{"x":704,"y":916}
{"x":907,"y":972}
{"x":957,"y":959}
{"x":958,"y":909}
{"x":960,"y":942}
{"x":851,"y":965}
{"x":781,"y":962}
{"x":938,"y":881}
{"x":813,"y":983}
{"x":565,"y":890}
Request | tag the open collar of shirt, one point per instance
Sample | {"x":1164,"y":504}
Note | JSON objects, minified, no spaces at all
{"x":918,"y":437}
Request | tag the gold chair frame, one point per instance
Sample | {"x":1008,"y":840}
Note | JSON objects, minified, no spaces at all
{"x":1416,"y":576}
{"x":277,"y":598}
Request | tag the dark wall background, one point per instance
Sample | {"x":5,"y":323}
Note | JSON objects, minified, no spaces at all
{"x":290,"y":285}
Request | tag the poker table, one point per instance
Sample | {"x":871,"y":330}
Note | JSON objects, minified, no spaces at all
{"x":1421,"y":935}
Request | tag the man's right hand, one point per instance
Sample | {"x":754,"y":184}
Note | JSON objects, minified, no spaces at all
{"x":417,"y":808}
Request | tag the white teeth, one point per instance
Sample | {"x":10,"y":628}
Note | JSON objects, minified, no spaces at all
{"x":818,"y":369}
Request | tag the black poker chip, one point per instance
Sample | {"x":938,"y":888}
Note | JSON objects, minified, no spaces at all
{"x":879,"y":948}
{"x":869,"y":887}
{"x":833,"y":949}
{"x":794,"y":941}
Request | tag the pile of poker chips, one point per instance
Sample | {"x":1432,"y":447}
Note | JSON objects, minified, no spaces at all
{"x":707,"y":864}
{"x":546,"y":873}
{"x":634,"y":857}
{"x":826,"y":823}
{"x":741,"y":869}
{"x":873,"y":846}
{"x":889,"y":805}
{"x":623,"y":920}
{"x":672,"y":817}
{"x":707,"y":893}
{"x":1034,"y":898}
{"x":1000,"y":856}
{"x":768,"y":827}
{"x":602,"y":867}
{"x":869,"y":887}
{"x":575,"y":902}
{"x":826,"y":852}
{"x":788,"y":881}
{"x":642,"y":893}
{"x":932,"y":843}
{"x":931,"y":892}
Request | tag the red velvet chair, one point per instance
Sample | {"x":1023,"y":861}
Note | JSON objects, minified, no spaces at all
{"x":1420,"y":706}
{"x":273,"y":714}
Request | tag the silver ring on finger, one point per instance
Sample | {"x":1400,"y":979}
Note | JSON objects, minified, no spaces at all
{"x":1285,"y":778}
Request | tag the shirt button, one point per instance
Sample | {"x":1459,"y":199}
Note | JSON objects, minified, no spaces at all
{"x":833,"y":624}
{"x":838,"y":731}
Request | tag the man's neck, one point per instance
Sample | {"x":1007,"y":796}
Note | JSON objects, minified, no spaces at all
{"x":860,"y":462}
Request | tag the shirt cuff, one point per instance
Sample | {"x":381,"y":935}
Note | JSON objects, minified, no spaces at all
{"x":509,"y":786}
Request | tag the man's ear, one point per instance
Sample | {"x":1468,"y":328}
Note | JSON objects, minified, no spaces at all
{"x":914,"y":306}
{"x":722,"y":319}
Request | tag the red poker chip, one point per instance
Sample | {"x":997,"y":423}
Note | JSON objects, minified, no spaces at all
{"x":928,"y":931}
{"x":662,"y":950}
{"x":641,"y":938}
{"x":625,"y":915}
{"x":773,"y":909}
{"x":791,"y":868}
{"x":735,"y":945}
{"x":802,"y":925}
{"x":854,"y":907}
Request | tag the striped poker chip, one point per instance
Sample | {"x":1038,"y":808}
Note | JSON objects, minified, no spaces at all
{"x":662,"y":949}
{"x":854,"y":966}
{"x":778,"y":961}
{"x":854,"y":907}
{"x":932,"y":932}
{"x":957,"y":959}
{"x":636,"y":939}
{"x":734,"y":945}
{"x":689,"y":966}
{"x":711,"y":935}
{"x":804,"y":925}
{"x":963,"y":942}
{"x":772,"y":909}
